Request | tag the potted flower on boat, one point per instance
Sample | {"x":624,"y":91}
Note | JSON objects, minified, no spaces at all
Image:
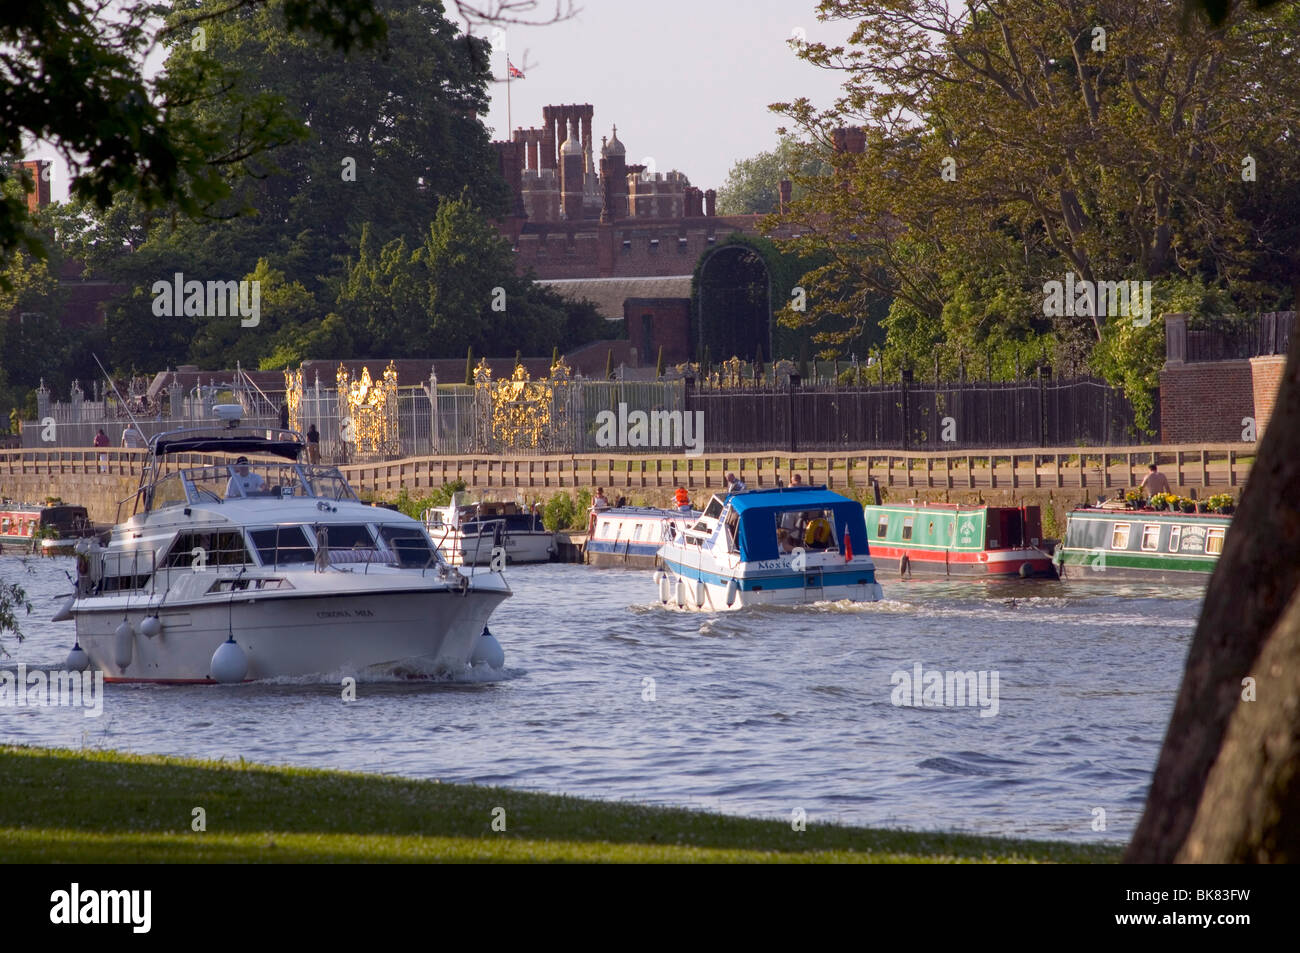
{"x":1221,"y":503}
{"x":1162,"y":501}
{"x":1186,"y":505}
{"x":1135,"y":499}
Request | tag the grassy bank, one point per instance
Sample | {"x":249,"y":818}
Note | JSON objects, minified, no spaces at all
{"x":95,"y":807}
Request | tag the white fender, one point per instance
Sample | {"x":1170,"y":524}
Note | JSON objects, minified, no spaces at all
{"x":665,"y":588}
{"x":65,"y":610}
{"x":681,"y":593}
{"x":487,"y":650}
{"x":150,"y":626}
{"x":732,"y":589}
{"x":123,"y":645}
{"x":78,"y":660}
{"x":228,"y":662}
{"x":699,"y":593}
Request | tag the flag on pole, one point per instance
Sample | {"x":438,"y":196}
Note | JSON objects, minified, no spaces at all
{"x":515,"y":72}
{"x":848,"y":545}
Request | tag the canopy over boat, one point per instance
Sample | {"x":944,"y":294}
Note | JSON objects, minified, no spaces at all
{"x":280,"y":443}
{"x":759,"y":512}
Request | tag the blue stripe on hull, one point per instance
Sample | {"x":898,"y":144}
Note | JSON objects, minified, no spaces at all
{"x":618,"y":549}
{"x":829,"y":578}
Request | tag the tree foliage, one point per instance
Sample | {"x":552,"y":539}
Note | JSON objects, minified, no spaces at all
{"x":752,"y":185}
{"x":1008,"y":144}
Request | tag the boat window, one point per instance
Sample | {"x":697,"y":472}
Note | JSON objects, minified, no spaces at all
{"x":811,"y":529}
{"x":282,"y":545}
{"x":1119,"y":538}
{"x":907,"y":526}
{"x":1174,"y":534}
{"x":1151,"y":537}
{"x":636,"y":533}
{"x":349,"y":536}
{"x":882,"y":527}
{"x":409,"y":544}
{"x":4,"y":525}
{"x":733,"y":526}
{"x":328,"y":483}
{"x":204,"y":550}
{"x":1214,"y":541}
{"x":714,"y":508}
{"x":169,"y":491}
{"x":604,"y":527}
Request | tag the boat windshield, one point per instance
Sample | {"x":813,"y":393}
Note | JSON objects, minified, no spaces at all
{"x":220,"y":483}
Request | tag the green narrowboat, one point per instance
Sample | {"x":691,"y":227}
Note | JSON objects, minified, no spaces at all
{"x":953,"y":539}
{"x":1155,"y":545}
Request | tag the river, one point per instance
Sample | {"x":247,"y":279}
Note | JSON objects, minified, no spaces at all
{"x":761,"y":712}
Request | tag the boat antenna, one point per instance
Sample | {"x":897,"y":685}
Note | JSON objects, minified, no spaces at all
{"x":125,"y":405}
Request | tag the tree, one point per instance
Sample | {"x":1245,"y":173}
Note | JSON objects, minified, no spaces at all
{"x":752,"y":185}
{"x":75,"y":77}
{"x":1226,"y":787}
{"x":1015,"y":143}
{"x":12,"y":598}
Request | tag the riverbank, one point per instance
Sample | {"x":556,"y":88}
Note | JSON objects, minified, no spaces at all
{"x":64,"y":806}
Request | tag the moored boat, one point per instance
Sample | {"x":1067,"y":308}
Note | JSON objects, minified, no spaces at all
{"x":1155,"y":545}
{"x":57,"y":526}
{"x":786,"y":546}
{"x":632,"y":535}
{"x":269,"y":568}
{"x":957,"y":539}
{"x":467,"y":533}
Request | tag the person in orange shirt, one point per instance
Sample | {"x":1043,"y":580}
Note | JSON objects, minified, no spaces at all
{"x":683,"y":499}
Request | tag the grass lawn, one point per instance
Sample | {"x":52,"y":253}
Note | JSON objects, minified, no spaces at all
{"x":97,"y":807}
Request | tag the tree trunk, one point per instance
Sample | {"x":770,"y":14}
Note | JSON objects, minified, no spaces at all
{"x":1226,"y":786}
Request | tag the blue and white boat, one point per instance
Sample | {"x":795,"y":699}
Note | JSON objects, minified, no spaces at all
{"x":631,"y":535}
{"x":786,"y":546}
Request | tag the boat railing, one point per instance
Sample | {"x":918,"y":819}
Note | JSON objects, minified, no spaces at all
{"x":112,"y":564}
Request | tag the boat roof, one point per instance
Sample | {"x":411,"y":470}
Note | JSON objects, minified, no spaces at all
{"x":786,"y":498}
{"x":235,"y":440}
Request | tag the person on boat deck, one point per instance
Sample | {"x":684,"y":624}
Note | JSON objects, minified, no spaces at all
{"x":1154,"y":482}
{"x":796,"y":480}
{"x":734,"y":483}
{"x":785,"y":540}
{"x":683,"y":499}
{"x":601,"y":502}
{"x":313,"y":444}
{"x":242,"y":482}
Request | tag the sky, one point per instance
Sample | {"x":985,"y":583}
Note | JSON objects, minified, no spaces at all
{"x":687,"y":83}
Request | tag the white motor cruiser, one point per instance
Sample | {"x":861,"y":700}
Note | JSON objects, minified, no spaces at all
{"x":239,"y":570}
{"x":784,"y":546}
{"x":468,"y":533}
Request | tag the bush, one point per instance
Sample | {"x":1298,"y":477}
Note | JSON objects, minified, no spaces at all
{"x":415,"y":508}
{"x":559,"y":512}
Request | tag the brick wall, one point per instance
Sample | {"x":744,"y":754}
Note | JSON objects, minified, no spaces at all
{"x":668,"y":326}
{"x":1205,"y":402}
{"x":1266,"y":375}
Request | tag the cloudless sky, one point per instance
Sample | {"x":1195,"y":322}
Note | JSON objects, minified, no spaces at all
{"x":687,"y":82}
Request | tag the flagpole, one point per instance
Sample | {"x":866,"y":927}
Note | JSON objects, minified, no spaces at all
{"x":510,"y":125}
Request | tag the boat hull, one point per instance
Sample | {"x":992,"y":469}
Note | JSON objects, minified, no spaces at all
{"x":707,"y":589}
{"x":519,"y":548}
{"x":985,"y":564}
{"x":418,"y":631}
